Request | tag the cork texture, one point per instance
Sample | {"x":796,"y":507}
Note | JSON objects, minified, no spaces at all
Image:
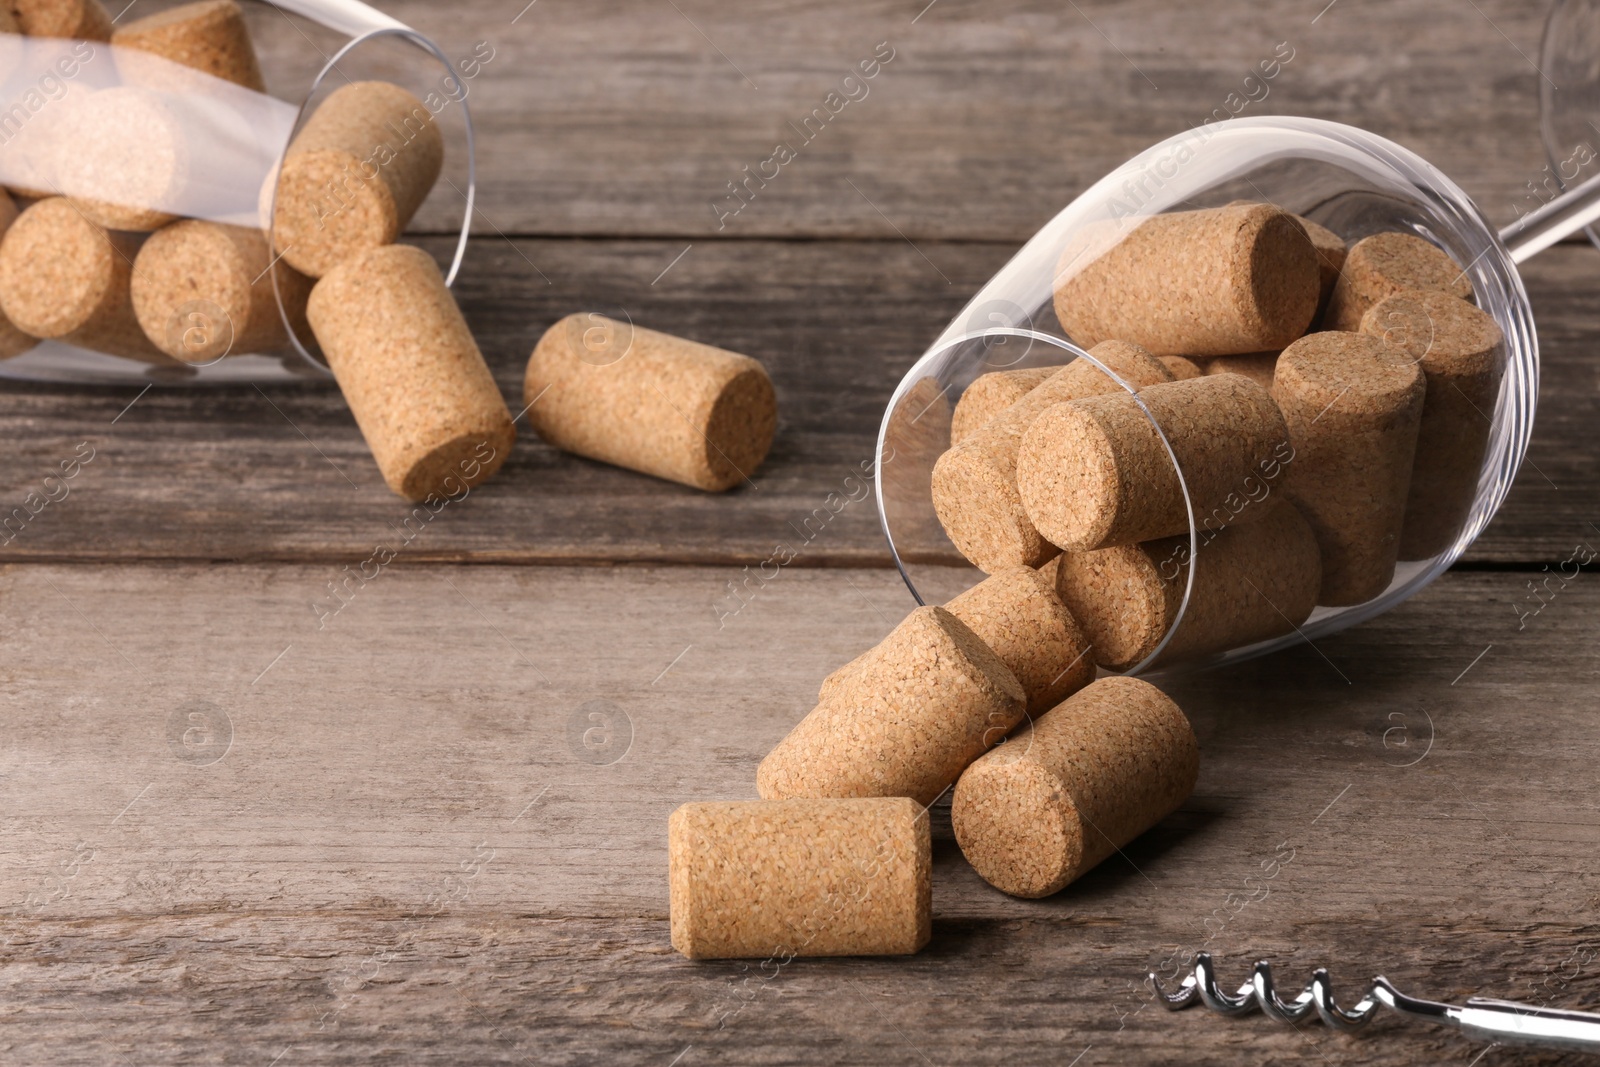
{"x":85,"y":19}
{"x":8,"y":20}
{"x":354,"y":175}
{"x":1017,"y":613}
{"x":916,"y":433}
{"x":907,"y":720}
{"x":204,"y":290}
{"x":142,"y":157}
{"x":1461,"y":351}
{"x":787,"y":878}
{"x":1180,"y":368}
{"x":975,"y":491}
{"x":65,"y":278}
{"x":651,"y":402}
{"x":1254,"y":581}
{"x":991,"y":394}
{"x":1241,"y":278}
{"x":1257,"y":366}
{"x":1083,"y":781}
{"x":13,"y":342}
{"x":1384,"y":264}
{"x":1329,"y":247}
{"x":1354,"y":407}
{"x":1094,"y":472}
{"x":412,"y":374}
{"x":209,"y":36}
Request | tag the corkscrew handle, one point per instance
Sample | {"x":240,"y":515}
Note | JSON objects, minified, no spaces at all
{"x":1509,"y":1022}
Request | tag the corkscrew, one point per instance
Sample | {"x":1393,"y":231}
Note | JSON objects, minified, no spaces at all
{"x":1502,"y":1021}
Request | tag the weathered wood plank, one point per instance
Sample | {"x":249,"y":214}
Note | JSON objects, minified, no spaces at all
{"x":235,"y":474}
{"x":404,"y":793}
{"x":630,"y":118}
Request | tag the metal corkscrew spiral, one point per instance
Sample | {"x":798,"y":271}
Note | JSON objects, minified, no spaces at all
{"x":1504,"y":1021}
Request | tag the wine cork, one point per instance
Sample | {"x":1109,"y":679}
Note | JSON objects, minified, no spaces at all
{"x":83,"y":19}
{"x":650,"y":402}
{"x":1257,"y":366}
{"x":411,"y":372}
{"x":916,"y":433}
{"x":927,"y":702}
{"x":1017,"y":614}
{"x":1384,"y":264}
{"x":991,"y":394}
{"x":140,"y":159}
{"x":1329,"y":247}
{"x":1255,"y":581}
{"x":1353,"y":407}
{"x":209,"y":36}
{"x":1181,"y":369}
{"x":1242,"y":278}
{"x":975,"y":484}
{"x":1077,"y":785}
{"x":354,"y":175}
{"x":787,"y":878}
{"x":1094,"y":472}
{"x":1461,"y":351}
{"x":13,"y":342}
{"x":203,"y":290}
{"x":63,"y":277}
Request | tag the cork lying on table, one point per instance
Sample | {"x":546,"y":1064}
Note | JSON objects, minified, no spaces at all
{"x":1241,"y":278}
{"x":1017,"y":613}
{"x":991,"y":394}
{"x":975,"y":483}
{"x":209,"y":36}
{"x":1094,"y":472}
{"x":412,"y":374}
{"x":204,"y":290}
{"x":1257,"y":366}
{"x":928,"y":700}
{"x":1255,"y":581}
{"x":1461,"y":351}
{"x":1074,"y":787}
{"x":1384,"y":264}
{"x":13,"y":342}
{"x":63,"y":277}
{"x":83,"y":19}
{"x":354,"y":175}
{"x":787,"y":878}
{"x":1353,"y":407}
{"x":650,"y":402}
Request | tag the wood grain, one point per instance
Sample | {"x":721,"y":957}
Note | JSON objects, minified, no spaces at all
{"x":239,"y":474}
{"x":402,"y":794}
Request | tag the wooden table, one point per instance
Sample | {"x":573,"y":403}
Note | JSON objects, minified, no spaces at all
{"x":233,"y":835}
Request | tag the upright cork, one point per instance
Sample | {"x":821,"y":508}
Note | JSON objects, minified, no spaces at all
{"x":1384,"y":264}
{"x":13,"y":342}
{"x":65,"y":278}
{"x":354,"y":175}
{"x":975,"y":483}
{"x":650,"y":402}
{"x":204,"y":290}
{"x":991,"y":394}
{"x":1257,"y":366}
{"x":1461,"y":351}
{"x":1075,"y":786}
{"x":1353,"y":406}
{"x":1255,"y":581}
{"x":83,"y":19}
{"x":1094,"y":472}
{"x":209,"y":36}
{"x":786,"y":878}
{"x":1241,"y":278}
{"x":1017,"y":613}
{"x":905,"y":723}
{"x":411,"y":372}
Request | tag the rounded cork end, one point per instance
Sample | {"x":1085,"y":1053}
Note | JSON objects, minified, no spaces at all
{"x":1442,"y":333}
{"x":56,"y":268}
{"x":1347,"y":376}
{"x":739,"y":432}
{"x":326,"y":211}
{"x":1119,"y":598}
{"x":1016,"y":824}
{"x":1068,"y":479}
{"x":459,"y":464}
{"x":1278,"y":274}
{"x":191,"y":291}
{"x":975,"y":497}
{"x":1405,"y":261}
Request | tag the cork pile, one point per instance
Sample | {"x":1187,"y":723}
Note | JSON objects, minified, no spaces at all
{"x":1320,"y":413}
{"x":114,"y":273}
